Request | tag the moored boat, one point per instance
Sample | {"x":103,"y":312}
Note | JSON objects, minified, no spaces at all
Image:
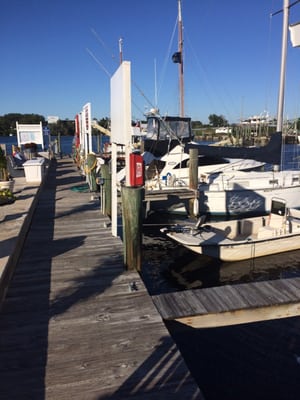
{"x":242,"y":239}
{"x":247,"y":193}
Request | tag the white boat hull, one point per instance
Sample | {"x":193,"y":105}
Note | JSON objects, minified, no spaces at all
{"x":249,"y":250}
{"x":249,"y":193}
{"x":237,"y":240}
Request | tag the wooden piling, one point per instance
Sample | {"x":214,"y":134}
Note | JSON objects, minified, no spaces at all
{"x":106,"y":175}
{"x":193,"y":180}
{"x":132,"y":203}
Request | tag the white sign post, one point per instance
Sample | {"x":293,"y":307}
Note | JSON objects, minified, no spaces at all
{"x":120,"y":109}
{"x":30,"y":133}
{"x":87,"y":127}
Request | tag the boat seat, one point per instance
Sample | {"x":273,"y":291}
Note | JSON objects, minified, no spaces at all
{"x":266,"y":232}
{"x":246,"y":228}
{"x":275,"y":226}
{"x":276,"y":221}
{"x":294,"y":227}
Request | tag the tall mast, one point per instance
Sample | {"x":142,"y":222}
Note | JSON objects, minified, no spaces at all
{"x":283,"y":65}
{"x":180,"y":65}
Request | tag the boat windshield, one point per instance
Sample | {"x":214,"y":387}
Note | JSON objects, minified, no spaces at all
{"x":152,"y":128}
{"x":168,"y":128}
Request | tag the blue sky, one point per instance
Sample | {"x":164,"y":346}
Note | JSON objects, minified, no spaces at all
{"x":231,"y":56}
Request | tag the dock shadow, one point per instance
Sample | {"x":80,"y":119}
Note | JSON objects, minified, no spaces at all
{"x":163,"y":375}
{"x":247,"y":361}
{"x":30,"y":305}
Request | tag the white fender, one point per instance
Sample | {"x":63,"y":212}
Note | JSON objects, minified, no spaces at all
{"x":196,"y":207}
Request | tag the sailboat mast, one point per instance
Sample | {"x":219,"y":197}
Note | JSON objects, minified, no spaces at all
{"x":180,"y":65}
{"x":283,"y":65}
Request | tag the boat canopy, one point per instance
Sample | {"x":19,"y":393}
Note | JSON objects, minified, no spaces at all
{"x":169,"y":128}
{"x":270,"y":154}
{"x":163,"y":134}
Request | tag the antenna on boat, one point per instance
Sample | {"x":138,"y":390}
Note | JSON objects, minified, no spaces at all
{"x":155,"y":85}
{"x":121,"y":50}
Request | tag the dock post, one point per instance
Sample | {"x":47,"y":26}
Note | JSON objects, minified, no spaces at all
{"x":193,"y":181}
{"x":132,"y":205}
{"x":106,"y":190}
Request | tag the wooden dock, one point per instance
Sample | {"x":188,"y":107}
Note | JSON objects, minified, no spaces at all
{"x":232,"y":304}
{"x":169,"y":199}
{"x":74,"y":324}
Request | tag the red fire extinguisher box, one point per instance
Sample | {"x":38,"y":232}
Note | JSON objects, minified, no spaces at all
{"x":136,"y":170}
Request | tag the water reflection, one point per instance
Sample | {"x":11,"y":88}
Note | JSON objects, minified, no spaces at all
{"x":168,"y":267}
{"x":204,"y":272}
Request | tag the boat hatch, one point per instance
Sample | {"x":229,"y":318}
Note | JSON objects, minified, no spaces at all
{"x":278,"y":207}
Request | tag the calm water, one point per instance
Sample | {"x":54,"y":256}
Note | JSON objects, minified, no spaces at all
{"x":66,"y":143}
{"x":258,"y":361}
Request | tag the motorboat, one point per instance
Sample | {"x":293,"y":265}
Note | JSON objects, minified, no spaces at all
{"x":172,"y":169}
{"x":247,"y":193}
{"x":242,"y":239}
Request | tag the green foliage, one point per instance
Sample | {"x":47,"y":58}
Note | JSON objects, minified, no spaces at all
{"x":6,"y":196}
{"x":217,"y":120}
{"x":8,"y":122}
{"x":64,"y":127}
{"x":105,"y":122}
{"x":3,"y":166}
{"x":197,"y":125}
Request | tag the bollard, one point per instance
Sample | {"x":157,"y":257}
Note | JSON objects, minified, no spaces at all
{"x":132,"y":205}
{"x":106,"y":193}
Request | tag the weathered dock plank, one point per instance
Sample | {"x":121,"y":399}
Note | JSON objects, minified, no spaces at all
{"x":232,"y":304}
{"x":76,"y":325}
{"x":165,"y":194}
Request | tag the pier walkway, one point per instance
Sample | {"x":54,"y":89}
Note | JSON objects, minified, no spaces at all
{"x":74,"y":324}
{"x":232,"y":304}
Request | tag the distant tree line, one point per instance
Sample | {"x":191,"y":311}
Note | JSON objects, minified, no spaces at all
{"x":67,"y":127}
{"x":214,"y":121}
{"x":64,"y":127}
{"x":8,"y":122}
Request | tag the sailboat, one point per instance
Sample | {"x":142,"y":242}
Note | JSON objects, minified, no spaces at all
{"x":235,"y":193}
{"x":166,"y":139}
{"x":251,"y":237}
{"x":238,"y":193}
{"x":164,"y":133}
